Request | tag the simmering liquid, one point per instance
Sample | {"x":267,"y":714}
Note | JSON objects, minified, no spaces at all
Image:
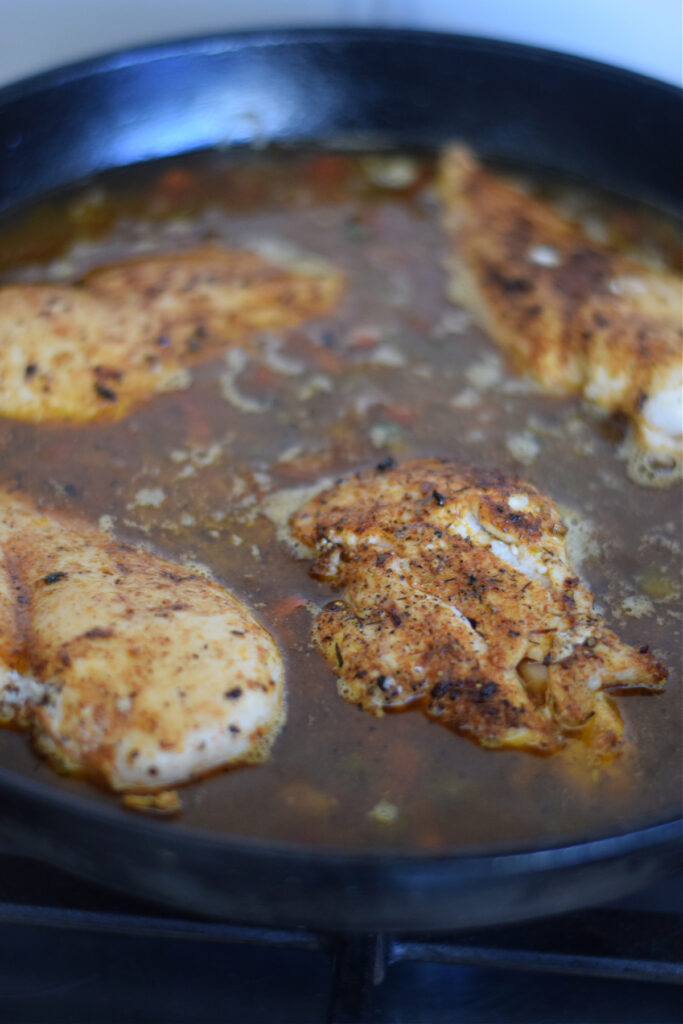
{"x":206,"y":474}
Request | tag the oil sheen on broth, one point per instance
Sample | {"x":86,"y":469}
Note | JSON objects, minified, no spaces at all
{"x":209,"y":473}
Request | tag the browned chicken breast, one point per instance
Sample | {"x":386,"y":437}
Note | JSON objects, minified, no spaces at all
{"x":76,"y":352}
{"x":132,"y":670}
{"x":578,"y":316}
{"x":458,"y":598}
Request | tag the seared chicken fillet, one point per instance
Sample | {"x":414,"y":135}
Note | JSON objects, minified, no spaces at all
{"x":135,"y":671}
{"x":76,"y":352}
{"x":458,"y":598}
{"x":578,"y":316}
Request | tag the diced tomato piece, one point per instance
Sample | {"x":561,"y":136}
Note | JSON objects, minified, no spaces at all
{"x":326,"y":360}
{"x":365,"y":337}
{"x":284,"y":608}
{"x":197,"y":428}
{"x":401,"y":414}
{"x":176,"y":183}
{"x":261,"y":378}
{"x":328,"y":169}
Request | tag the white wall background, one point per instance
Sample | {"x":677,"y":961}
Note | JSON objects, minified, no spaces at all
{"x":645,"y":35}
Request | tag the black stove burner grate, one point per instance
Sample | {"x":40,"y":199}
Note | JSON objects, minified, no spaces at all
{"x":85,"y":951}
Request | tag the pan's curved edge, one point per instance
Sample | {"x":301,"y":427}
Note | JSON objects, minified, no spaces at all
{"x":259,"y":882}
{"x":282,"y":35}
{"x":262,"y":882}
{"x":65,"y":125}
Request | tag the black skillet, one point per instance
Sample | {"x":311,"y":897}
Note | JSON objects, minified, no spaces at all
{"x":606,"y":126}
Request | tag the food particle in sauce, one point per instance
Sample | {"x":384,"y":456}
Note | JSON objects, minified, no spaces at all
{"x":148,"y":497}
{"x":166,"y":804}
{"x":384,"y":812}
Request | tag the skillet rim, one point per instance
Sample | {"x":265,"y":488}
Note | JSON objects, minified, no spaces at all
{"x":222,"y":42}
{"x":659,"y":828}
{"x":213,"y":45}
{"x":660,"y":831}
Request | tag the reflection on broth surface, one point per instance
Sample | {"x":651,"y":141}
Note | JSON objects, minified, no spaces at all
{"x":209,"y":475}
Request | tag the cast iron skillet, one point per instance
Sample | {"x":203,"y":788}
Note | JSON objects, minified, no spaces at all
{"x":609,"y":127}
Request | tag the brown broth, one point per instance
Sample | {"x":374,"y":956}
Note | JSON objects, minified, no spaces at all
{"x":333,"y":401}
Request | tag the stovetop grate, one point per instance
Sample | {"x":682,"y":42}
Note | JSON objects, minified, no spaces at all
{"x":623,"y":962}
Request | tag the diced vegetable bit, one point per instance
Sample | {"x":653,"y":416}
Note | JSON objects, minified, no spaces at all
{"x":176,"y":183}
{"x":260,"y":378}
{"x":404,"y":415}
{"x":391,"y":171}
{"x":326,"y":360}
{"x":386,"y":435}
{"x":384,"y":813}
{"x":328,"y":169}
{"x":165,"y":805}
{"x":430,"y":839}
{"x":288,"y":605}
{"x":198,"y":430}
{"x":657,"y":584}
{"x":364,"y":337}
{"x":300,"y":796}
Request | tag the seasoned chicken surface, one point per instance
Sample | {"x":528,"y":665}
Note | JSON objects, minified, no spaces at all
{"x":135,"y":671}
{"x":578,"y":316}
{"x":76,"y":352}
{"x":458,"y":598}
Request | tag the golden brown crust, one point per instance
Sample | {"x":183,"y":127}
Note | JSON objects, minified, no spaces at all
{"x":578,"y":316}
{"x":77,"y":352}
{"x":458,"y":598}
{"x":133,"y":670}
